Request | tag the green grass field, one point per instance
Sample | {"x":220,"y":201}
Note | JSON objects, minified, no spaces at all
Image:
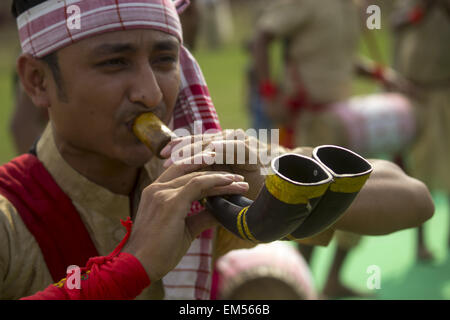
{"x":402,"y":277}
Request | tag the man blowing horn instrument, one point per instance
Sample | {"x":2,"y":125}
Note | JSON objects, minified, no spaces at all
{"x":62,"y":203}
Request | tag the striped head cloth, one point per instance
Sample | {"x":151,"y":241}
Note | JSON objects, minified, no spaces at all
{"x":44,"y":29}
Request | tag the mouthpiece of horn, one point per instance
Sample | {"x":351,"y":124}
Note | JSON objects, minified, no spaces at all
{"x":152,"y":132}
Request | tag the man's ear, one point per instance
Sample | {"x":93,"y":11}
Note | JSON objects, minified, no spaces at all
{"x":34,"y":76}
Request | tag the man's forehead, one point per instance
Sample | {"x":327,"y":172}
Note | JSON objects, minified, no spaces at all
{"x":143,"y":39}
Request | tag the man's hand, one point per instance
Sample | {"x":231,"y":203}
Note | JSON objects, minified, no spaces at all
{"x":162,"y":232}
{"x":234,"y":152}
{"x":230,"y":147}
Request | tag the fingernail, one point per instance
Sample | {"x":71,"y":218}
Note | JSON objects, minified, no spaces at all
{"x":238,"y":177}
{"x":229,"y":177}
{"x":210,"y":153}
{"x":243,"y":185}
{"x":209,"y":157}
{"x":167,"y":163}
{"x":165,"y":151}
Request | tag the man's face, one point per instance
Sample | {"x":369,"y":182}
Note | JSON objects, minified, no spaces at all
{"x":108,"y":81}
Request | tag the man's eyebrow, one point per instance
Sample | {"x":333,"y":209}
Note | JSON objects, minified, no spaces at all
{"x":166,"y":45}
{"x":107,"y":48}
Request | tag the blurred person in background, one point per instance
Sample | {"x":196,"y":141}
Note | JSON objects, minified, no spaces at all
{"x":27,"y":122}
{"x":216,"y":22}
{"x":4,"y":14}
{"x":253,"y":99}
{"x":422,"y":55}
{"x":191,"y":23}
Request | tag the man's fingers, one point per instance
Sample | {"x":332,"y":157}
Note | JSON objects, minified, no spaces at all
{"x":202,"y":186}
{"x":185,"y":179}
{"x":189,"y":146}
{"x":181,"y":142}
{"x":234,"y":188}
{"x":188,"y":152}
{"x":237,"y":153}
{"x":201,"y":141}
{"x":233,"y":152}
{"x":185,"y":166}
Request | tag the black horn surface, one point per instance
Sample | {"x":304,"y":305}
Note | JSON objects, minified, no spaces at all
{"x":350,"y":171}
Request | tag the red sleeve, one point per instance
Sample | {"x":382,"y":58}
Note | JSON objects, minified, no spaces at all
{"x":118,"y":276}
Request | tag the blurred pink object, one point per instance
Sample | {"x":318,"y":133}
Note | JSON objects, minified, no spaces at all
{"x":276,"y":262}
{"x":377,"y":123}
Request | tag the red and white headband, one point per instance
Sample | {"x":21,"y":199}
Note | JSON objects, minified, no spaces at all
{"x":46,"y":27}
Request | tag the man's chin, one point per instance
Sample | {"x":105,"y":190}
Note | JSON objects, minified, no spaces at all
{"x":138,"y":157}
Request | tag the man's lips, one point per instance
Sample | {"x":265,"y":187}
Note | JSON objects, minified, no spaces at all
{"x":130,"y":121}
{"x":129,"y":125}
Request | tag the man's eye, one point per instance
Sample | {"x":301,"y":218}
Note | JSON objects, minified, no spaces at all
{"x":165,"y":60}
{"x":112,"y":63}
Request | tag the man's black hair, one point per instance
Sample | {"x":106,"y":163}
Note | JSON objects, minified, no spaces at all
{"x":20,"y":6}
{"x":17,"y":8}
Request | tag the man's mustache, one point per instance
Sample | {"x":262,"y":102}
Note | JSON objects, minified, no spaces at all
{"x":133,"y":112}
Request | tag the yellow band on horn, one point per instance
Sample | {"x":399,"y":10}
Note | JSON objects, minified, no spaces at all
{"x":238,"y":223}
{"x":246,"y":229}
{"x":349,"y":184}
{"x":293,"y":194}
{"x":241,"y":219}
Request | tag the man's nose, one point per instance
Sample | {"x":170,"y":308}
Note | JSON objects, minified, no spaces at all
{"x":145,"y":89}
